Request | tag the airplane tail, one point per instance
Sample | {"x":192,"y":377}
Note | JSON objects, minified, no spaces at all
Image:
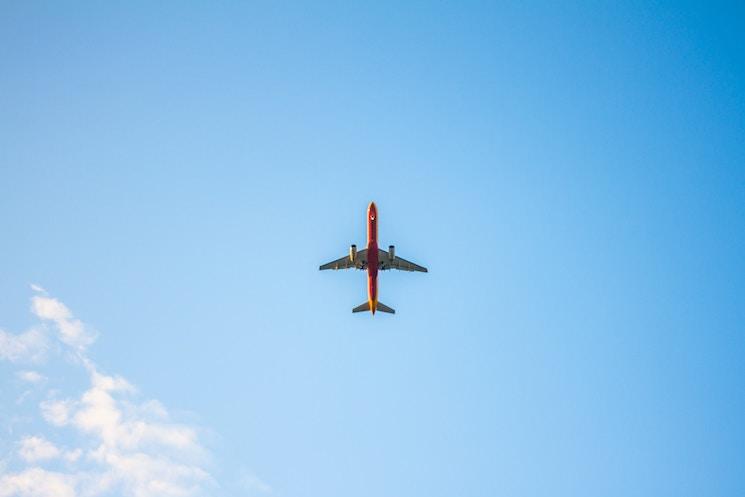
{"x":380,"y":307}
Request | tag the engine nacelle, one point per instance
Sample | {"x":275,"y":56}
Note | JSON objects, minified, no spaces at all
{"x":392,"y":252}
{"x":353,"y":253}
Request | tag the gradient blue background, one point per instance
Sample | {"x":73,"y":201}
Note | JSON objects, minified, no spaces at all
{"x":573,"y":176}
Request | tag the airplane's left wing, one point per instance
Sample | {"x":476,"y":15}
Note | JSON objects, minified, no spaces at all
{"x":386,"y":262}
{"x":360,"y":262}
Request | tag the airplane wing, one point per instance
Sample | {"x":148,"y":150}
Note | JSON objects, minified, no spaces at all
{"x":360,"y":262}
{"x":386,"y":262}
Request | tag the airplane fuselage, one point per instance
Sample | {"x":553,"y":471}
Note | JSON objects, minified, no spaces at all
{"x":372,"y":256}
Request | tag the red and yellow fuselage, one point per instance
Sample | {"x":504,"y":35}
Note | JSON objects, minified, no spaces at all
{"x":372,"y":256}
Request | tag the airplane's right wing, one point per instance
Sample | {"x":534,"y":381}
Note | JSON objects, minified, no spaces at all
{"x":360,"y":262}
{"x":397,"y":263}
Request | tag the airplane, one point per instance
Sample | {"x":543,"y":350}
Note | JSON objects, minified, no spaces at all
{"x":372,"y":259}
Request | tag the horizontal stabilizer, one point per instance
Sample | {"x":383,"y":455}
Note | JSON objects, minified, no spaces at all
{"x":384,"y":308}
{"x":362,"y":307}
{"x":379,"y":307}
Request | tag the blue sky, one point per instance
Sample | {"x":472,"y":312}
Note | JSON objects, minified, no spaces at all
{"x":172,"y":175}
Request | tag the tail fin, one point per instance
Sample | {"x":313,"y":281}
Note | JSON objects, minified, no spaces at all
{"x":379,"y":307}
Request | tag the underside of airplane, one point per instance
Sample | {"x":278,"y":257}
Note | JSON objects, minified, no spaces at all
{"x":372,"y":259}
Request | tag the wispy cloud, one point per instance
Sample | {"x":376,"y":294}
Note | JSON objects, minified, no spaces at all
{"x":38,"y":289}
{"x":33,"y":449}
{"x":38,"y":482}
{"x":122,"y":445}
{"x":31,"y":376}
{"x":252,"y":484}
{"x":71,"y":331}
{"x":28,"y":347}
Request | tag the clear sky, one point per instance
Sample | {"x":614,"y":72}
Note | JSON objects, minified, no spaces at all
{"x":173,"y":173}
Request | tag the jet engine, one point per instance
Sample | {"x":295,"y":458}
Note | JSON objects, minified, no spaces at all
{"x":353,"y":253}
{"x":392,"y":252}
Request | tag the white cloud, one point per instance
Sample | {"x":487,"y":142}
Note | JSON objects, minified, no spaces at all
{"x":38,"y":289}
{"x":33,"y":449}
{"x":71,"y":331}
{"x":72,"y":456}
{"x":31,"y":376}
{"x":144,"y":475}
{"x":122,"y":445}
{"x":56,"y":412}
{"x":30,"y":346}
{"x":37,"y":482}
{"x":105,"y":411}
{"x":135,"y":448}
